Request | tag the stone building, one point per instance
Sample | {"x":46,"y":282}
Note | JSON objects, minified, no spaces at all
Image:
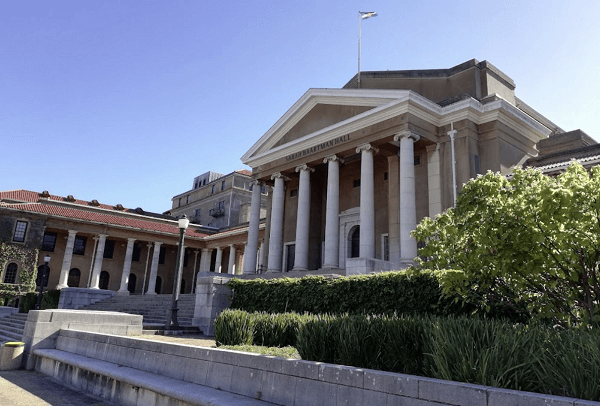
{"x":218,"y":201}
{"x":354,"y":170}
{"x":101,"y":246}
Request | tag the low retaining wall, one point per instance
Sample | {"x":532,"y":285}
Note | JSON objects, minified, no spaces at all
{"x":7,"y":311}
{"x":76,"y":298}
{"x":42,"y":327}
{"x":288,"y":382}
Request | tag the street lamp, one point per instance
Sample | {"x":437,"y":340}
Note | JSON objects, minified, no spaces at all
{"x":172,"y":319}
{"x":38,"y":304}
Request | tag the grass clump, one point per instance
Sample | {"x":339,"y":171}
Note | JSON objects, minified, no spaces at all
{"x":283,"y":352}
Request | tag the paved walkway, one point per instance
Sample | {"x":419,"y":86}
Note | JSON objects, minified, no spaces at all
{"x":30,"y":388}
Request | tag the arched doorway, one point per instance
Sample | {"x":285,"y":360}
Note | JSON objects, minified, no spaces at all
{"x":104,"y":279}
{"x":131,"y":283}
{"x":354,"y":251}
{"x":41,"y":275}
{"x":74,"y":277}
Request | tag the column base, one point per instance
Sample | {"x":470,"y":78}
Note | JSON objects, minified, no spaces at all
{"x":300,"y":269}
{"x":122,"y":293}
{"x":59,"y":287}
{"x":151,"y":293}
{"x":273,"y":271}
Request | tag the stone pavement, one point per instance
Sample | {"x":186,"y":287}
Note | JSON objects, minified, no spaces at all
{"x":30,"y":388}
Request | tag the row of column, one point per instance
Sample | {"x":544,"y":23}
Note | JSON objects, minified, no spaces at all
{"x":408,"y":245}
{"x":99,"y":256}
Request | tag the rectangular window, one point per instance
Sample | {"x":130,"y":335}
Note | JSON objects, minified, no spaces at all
{"x":49,"y":242}
{"x":293,"y":192}
{"x":214,"y":189}
{"x":417,"y":160}
{"x":109,"y":249}
{"x":385,"y":176}
{"x":79,"y":246}
{"x":20,"y":231}
{"x":223,"y":185}
{"x":263,"y":189}
{"x":356,"y":183}
{"x":187,"y":199}
{"x":162,"y":254}
{"x":179,"y":202}
{"x":222,"y":205}
{"x":137,"y":251}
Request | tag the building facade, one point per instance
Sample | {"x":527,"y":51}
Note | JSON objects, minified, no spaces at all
{"x":354,"y":170}
{"x":218,"y":201}
{"x":99,"y":246}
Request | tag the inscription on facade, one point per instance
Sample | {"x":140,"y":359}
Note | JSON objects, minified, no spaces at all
{"x":317,"y":148}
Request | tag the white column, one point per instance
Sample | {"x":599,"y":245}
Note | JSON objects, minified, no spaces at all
{"x":194,"y":271}
{"x":205,"y":260}
{"x":66,"y":264}
{"x":154,"y":269}
{"x":250,"y":264}
{"x":218,"y":259}
{"x":367,"y":201}
{"x":126,"y":268}
{"x":332,"y":212}
{"x":408,"y":207}
{"x":276,"y":235}
{"x":303,"y":219}
{"x":98,"y":262}
{"x":231,"y":265}
{"x":434,"y":181}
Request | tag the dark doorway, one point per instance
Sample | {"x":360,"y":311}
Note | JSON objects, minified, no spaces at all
{"x":104,"y":279}
{"x":158,"y":287}
{"x":291,"y":256}
{"x":355,"y":243}
{"x":74,"y":278}
{"x":131,"y":283}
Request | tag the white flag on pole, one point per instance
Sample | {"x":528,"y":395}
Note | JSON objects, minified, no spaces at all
{"x":367,"y":14}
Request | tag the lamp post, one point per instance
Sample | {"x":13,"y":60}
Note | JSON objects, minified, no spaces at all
{"x":172,"y":319}
{"x":38,"y":304}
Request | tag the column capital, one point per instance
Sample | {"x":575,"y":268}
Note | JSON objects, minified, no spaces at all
{"x":304,"y":167}
{"x":366,"y":147}
{"x":157,"y":244}
{"x":407,"y":134}
{"x":257,"y":182}
{"x":231,"y":245}
{"x":432,"y":147}
{"x":452,"y":133}
{"x":101,"y":236}
{"x":277,"y":175}
{"x":131,"y":239}
{"x":72,"y":232}
{"x":332,"y":158}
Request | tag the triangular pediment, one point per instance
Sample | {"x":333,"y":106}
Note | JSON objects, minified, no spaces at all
{"x":318,"y":111}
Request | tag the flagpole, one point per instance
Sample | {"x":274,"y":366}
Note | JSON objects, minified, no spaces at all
{"x":359,"y":20}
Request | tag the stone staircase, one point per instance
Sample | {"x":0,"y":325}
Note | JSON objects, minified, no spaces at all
{"x":154,"y":308}
{"x":11,"y":327}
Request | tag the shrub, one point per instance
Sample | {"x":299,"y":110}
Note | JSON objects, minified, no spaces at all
{"x":50,"y":300}
{"x":405,"y":292}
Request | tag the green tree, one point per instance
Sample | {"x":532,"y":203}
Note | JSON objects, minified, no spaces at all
{"x":529,"y":242}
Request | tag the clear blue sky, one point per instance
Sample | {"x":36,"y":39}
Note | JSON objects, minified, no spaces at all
{"x":127,"y":101}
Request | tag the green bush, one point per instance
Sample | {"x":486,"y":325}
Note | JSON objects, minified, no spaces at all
{"x":404,"y":292}
{"x":50,"y":300}
{"x":236,"y":327}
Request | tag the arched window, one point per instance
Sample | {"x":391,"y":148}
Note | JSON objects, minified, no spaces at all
{"x":182,"y":287}
{"x":43,"y":274}
{"x":355,"y":243}
{"x":158,"y":287}
{"x":74,"y":277}
{"x":104,"y":279}
{"x":10,"y":275}
{"x":131,"y":283}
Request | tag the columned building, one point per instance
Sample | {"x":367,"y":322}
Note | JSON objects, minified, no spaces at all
{"x":353,"y":170}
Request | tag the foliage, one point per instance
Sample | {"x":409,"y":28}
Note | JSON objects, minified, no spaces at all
{"x":283,"y":352}
{"x":50,"y":300}
{"x":384,"y":293}
{"x":27,"y":258}
{"x":236,"y":327}
{"x":530,"y":244}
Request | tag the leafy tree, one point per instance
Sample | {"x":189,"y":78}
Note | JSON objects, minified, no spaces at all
{"x":531,"y":242}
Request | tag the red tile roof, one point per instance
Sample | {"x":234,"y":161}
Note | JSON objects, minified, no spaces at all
{"x":127,"y":221}
{"x":32,"y":197}
{"x":244,"y":172}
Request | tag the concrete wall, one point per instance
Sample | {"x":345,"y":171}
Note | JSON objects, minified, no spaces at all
{"x":283,"y":381}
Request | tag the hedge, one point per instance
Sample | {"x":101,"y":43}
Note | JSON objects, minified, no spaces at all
{"x":382,"y":293}
{"x":498,"y":353}
{"x":50,"y":300}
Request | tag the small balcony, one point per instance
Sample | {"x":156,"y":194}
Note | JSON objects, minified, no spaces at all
{"x":220,"y":212}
